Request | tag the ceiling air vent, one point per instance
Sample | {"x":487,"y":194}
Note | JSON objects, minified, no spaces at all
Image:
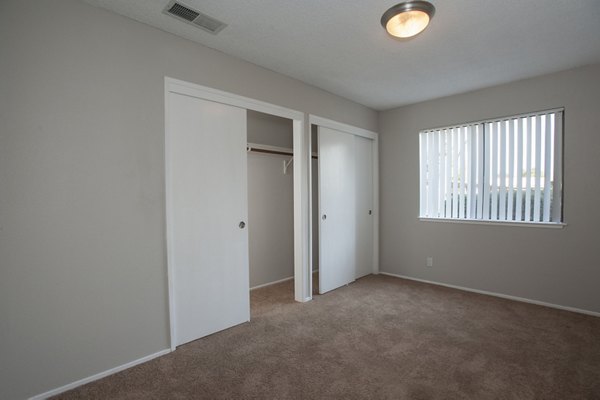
{"x":191,"y":16}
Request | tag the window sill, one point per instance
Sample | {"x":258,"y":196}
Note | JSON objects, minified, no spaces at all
{"x":552,"y":225}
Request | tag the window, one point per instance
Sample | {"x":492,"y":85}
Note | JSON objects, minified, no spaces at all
{"x":505,"y":169}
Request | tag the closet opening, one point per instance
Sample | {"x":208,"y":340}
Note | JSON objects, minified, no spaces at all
{"x":206,"y":206}
{"x":270,"y":158}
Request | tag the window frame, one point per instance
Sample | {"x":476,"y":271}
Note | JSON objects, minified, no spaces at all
{"x":558,"y":167}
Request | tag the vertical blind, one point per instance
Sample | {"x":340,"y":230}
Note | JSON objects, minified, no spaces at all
{"x":506,"y":169}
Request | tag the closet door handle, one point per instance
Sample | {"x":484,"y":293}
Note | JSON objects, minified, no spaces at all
{"x":324,"y":217}
{"x":242,"y":225}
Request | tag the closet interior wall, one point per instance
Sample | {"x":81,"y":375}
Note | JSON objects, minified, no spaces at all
{"x":270,"y":201}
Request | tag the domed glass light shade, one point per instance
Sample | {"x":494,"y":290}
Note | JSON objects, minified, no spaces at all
{"x":407,"y":19}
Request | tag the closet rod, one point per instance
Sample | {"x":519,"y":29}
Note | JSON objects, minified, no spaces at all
{"x":283,"y":153}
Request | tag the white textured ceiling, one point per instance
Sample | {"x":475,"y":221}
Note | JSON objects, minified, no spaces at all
{"x":340,"y":46}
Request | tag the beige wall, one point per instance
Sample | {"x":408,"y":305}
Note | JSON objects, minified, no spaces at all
{"x":82,"y":242}
{"x":560,"y":266}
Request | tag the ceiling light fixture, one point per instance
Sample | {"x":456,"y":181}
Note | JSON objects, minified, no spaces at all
{"x":407,"y":19}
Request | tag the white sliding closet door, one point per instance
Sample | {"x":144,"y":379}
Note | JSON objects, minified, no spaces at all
{"x":206,"y":216}
{"x":364,"y":205}
{"x":337,"y":210}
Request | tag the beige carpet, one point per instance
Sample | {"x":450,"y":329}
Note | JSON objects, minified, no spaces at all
{"x":378,"y":338}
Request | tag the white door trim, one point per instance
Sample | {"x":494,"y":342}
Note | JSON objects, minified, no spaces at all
{"x":339,"y":126}
{"x":302,"y":267}
{"x":219,"y":96}
{"x":328,"y":123}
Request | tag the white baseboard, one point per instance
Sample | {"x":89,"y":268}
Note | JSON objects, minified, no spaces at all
{"x":272,"y":283}
{"x":100,"y":375}
{"x":503,"y":296}
{"x":279,"y":281}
